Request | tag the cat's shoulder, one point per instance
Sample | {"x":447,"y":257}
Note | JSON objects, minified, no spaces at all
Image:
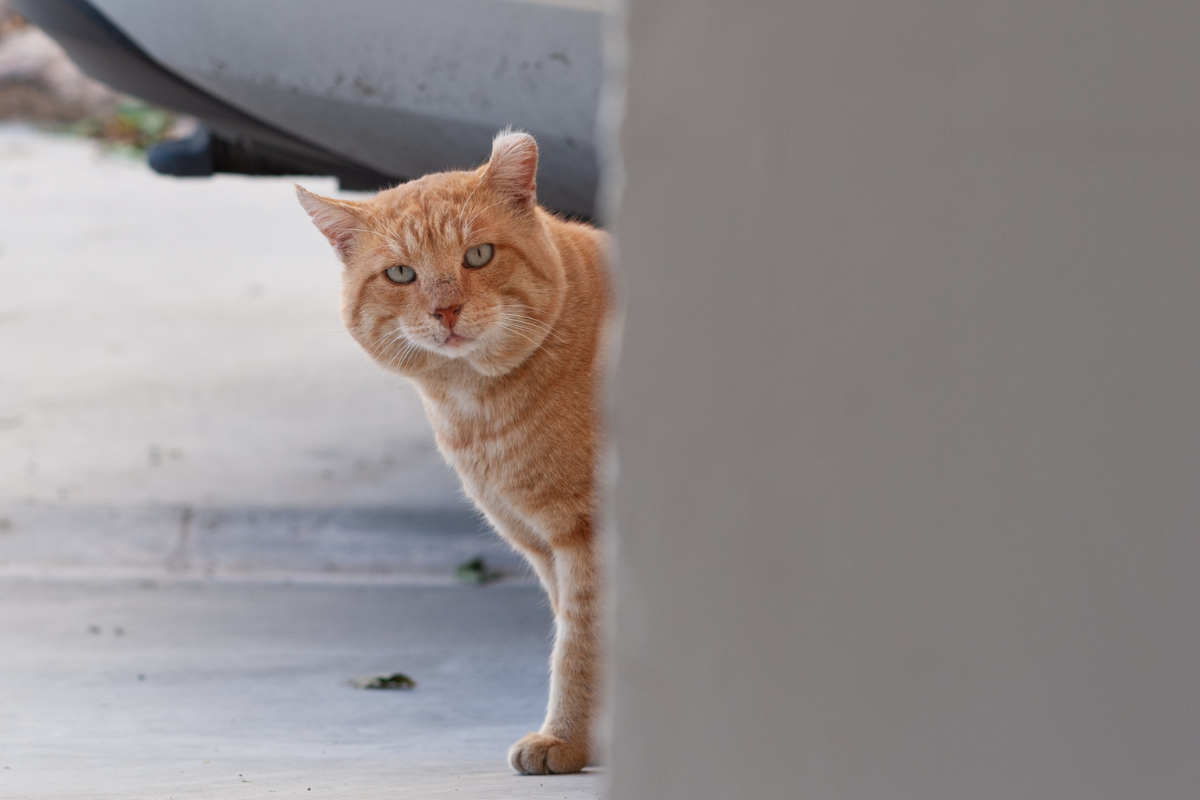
{"x":583,"y":235}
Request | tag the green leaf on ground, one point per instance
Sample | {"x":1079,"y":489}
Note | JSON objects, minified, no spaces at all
{"x":396,"y":680}
{"x":476,"y":571}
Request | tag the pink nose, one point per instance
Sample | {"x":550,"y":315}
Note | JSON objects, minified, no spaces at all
{"x":448,"y":315}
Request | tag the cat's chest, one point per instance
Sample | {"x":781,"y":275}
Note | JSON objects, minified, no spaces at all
{"x":482,"y":446}
{"x":467,"y":424}
{"x":515,"y":449}
{"x":459,"y":406}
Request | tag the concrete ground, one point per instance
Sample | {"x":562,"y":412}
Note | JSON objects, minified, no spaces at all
{"x":169,"y":341}
{"x":214,"y":511}
{"x":236,"y":690}
{"x":177,"y":393}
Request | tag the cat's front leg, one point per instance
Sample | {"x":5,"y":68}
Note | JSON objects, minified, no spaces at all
{"x":529,"y":544}
{"x":564,"y":742}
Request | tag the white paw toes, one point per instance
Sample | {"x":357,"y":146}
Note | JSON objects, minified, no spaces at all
{"x":542,"y":754}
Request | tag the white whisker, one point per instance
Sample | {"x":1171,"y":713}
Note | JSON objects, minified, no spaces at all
{"x":505,"y":327}
{"x":472,"y":219}
{"x":463,"y":209}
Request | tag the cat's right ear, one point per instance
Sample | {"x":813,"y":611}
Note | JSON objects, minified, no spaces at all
{"x":337,"y":219}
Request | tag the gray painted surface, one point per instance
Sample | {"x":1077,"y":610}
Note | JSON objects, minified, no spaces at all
{"x":404,"y":86}
{"x":907,"y":408}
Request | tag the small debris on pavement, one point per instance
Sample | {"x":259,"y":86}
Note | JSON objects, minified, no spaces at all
{"x":397,"y":680}
{"x":476,"y":571}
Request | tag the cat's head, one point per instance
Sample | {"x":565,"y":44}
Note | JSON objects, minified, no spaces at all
{"x":449,"y":271}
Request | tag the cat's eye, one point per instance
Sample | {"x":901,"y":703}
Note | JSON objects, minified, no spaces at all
{"x":478,"y":256}
{"x":401,"y":274}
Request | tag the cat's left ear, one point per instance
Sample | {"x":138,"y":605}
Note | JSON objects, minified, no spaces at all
{"x":512,"y":169}
{"x":337,"y":219}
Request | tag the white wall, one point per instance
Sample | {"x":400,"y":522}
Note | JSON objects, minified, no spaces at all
{"x":908,"y":408}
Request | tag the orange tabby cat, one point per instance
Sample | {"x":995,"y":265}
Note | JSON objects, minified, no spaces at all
{"x":494,"y":308}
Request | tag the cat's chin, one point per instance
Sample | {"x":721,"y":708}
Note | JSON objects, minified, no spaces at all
{"x":455,"y":347}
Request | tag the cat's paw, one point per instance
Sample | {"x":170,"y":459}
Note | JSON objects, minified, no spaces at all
{"x":542,"y":754}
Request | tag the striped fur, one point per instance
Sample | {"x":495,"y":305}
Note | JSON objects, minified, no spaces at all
{"x":513,"y":399}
